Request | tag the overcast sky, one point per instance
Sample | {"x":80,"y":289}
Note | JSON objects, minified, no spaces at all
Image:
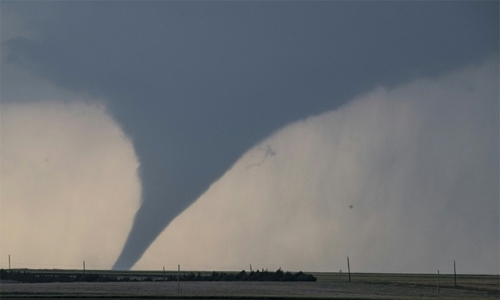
{"x":194,"y":85}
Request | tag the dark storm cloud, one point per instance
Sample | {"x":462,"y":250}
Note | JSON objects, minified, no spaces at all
{"x":195,"y":84}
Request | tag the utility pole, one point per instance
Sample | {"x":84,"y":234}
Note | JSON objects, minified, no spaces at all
{"x":455,"y":273}
{"x":9,"y":262}
{"x":438,"y":285}
{"x":178,"y":278}
{"x":83,"y":267}
{"x":348,"y":268}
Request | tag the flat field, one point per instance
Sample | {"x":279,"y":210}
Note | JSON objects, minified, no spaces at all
{"x":328,"y":286}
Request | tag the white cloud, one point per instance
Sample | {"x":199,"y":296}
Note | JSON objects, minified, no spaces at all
{"x":69,"y":188}
{"x":418,"y":164}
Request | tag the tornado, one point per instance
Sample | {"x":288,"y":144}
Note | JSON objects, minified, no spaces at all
{"x":195,"y":85}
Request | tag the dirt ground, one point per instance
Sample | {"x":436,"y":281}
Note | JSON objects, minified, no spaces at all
{"x":258,"y":290}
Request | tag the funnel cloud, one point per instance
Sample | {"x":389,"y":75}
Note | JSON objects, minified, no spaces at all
{"x":195,"y":85}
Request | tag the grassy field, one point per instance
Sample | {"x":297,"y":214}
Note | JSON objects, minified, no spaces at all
{"x":487,"y":282}
{"x":328,"y":286}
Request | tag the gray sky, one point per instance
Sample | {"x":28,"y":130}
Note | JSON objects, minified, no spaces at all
{"x":196,"y":84}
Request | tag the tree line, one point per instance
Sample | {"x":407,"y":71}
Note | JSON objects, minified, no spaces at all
{"x":264,"y":275}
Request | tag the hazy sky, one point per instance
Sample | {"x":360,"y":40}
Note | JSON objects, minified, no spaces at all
{"x":194,"y":85}
{"x":69,"y":185}
{"x":369,"y":180}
